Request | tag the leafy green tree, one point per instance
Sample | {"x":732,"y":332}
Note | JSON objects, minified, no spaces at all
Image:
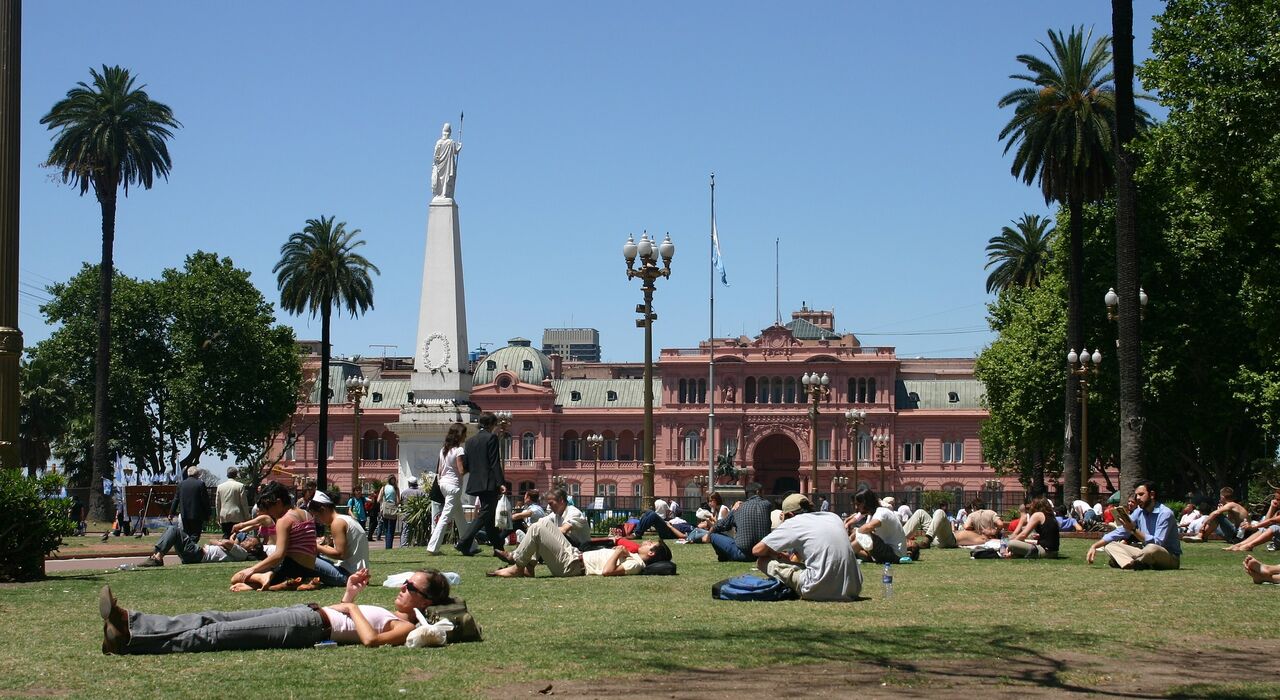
{"x":1020,"y":253}
{"x":110,"y":135}
{"x":43,"y":409}
{"x":1062,"y":134}
{"x":319,"y":269}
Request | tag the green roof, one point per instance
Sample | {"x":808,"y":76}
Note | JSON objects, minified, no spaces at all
{"x":804,"y":330}
{"x":527,"y":363}
{"x":936,"y":394}
{"x":594,"y":393}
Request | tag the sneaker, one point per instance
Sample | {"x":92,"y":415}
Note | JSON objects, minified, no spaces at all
{"x":1271,"y":546}
{"x":151,"y":561}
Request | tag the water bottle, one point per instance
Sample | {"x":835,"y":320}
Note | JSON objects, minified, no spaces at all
{"x":125,"y":567}
{"x":1004,"y":546}
{"x":887,"y":580}
{"x":454,"y":579}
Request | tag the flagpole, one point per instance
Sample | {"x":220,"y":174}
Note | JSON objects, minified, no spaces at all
{"x":711,"y":347}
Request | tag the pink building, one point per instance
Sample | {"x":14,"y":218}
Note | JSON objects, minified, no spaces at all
{"x":920,"y":432}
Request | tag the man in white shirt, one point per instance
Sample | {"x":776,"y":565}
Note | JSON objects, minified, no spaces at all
{"x":571,"y":521}
{"x":548,"y":543}
{"x":230,"y":502}
{"x":830,"y":566}
{"x":880,"y":537}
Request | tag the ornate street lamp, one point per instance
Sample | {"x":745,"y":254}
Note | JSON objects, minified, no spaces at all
{"x":817,"y":388}
{"x":1112,"y":301}
{"x":356,"y":389}
{"x":882,"y":445}
{"x":649,"y":252}
{"x":1082,"y":365}
{"x":853,"y":419}
{"x":595,"y":441}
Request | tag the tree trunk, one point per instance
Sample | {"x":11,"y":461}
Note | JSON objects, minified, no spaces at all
{"x":102,"y":507}
{"x":1075,"y":341}
{"x":322,"y":444}
{"x":1128,"y":354}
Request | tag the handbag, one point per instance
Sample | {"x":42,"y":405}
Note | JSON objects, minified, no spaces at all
{"x":389,"y":508}
{"x":465,"y":627}
{"x":435,"y":494}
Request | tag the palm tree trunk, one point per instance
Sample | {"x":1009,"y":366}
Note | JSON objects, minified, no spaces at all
{"x":1075,"y":340}
{"x":322,"y":444}
{"x":100,"y":506}
{"x":1132,"y":469}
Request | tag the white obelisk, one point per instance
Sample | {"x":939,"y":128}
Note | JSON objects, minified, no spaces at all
{"x":441,"y":383}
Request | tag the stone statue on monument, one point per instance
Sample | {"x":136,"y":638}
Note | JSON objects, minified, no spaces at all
{"x":444,"y":169}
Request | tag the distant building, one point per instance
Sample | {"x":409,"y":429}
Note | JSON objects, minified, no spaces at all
{"x":572,"y":344}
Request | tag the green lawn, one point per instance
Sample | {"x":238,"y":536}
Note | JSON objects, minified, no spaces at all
{"x":944,"y":607}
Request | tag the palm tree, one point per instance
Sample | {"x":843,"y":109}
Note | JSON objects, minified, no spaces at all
{"x":319,"y":270}
{"x":112,"y":135}
{"x":1063,"y":129}
{"x":1021,"y":254}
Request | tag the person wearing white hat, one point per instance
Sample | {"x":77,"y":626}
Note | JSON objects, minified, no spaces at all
{"x":345,"y":550}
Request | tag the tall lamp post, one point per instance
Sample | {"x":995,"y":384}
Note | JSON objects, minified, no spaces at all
{"x":356,"y":389}
{"x":595,"y":441}
{"x":853,"y":419}
{"x":817,"y":388}
{"x":1083,"y":365}
{"x":649,"y":252}
{"x":882,"y":445}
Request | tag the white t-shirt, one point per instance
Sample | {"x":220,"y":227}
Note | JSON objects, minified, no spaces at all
{"x":213,"y":553}
{"x":449,"y":479}
{"x":357,"y":555}
{"x":580,"y":532}
{"x":830,"y":570}
{"x":593,"y":562}
{"x":344,"y":628}
{"x":890,"y":530}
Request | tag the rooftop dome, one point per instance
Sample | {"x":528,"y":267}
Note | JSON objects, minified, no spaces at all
{"x":521,"y":359}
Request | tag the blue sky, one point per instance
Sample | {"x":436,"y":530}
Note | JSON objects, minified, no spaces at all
{"x":862,"y":135}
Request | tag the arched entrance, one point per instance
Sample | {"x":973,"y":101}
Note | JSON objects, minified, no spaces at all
{"x":777,"y":463}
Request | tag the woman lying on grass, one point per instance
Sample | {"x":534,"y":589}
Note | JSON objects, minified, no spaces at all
{"x":296,"y":627}
{"x":292,"y":564}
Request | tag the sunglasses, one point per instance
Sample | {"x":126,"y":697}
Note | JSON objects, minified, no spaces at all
{"x":408,"y":586}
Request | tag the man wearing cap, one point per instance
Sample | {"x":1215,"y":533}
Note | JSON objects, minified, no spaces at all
{"x":750,"y":522}
{"x":830,"y":567}
{"x":409,"y":492}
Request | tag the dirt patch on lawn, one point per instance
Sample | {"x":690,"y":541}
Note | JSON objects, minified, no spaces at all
{"x":1123,"y":674}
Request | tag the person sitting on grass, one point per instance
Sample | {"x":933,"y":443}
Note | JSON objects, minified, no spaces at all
{"x":1229,"y":520}
{"x":293,"y":562}
{"x":980,"y":526}
{"x":530,"y":511}
{"x":345,"y":549}
{"x":190,"y":551}
{"x":1066,"y":522}
{"x":1268,"y":529}
{"x":933,"y":529}
{"x":1152,"y":529}
{"x":749,"y":521}
{"x":1039,"y":521}
{"x":810,"y":552}
{"x":880,"y":537}
{"x":295,"y":627}
{"x":1191,"y":521}
{"x":546,"y":542}
{"x":1261,"y":573}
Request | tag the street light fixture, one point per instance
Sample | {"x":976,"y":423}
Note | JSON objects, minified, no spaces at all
{"x":1082,"y":365}
{"x":649,"y":252}
{"x":1112,"y":301}
{"x":595,"y":441}
{"x":356,"y":389}
{"x":817,"y":388}
{"x":854,"y":418}
{"x":882,"y":445}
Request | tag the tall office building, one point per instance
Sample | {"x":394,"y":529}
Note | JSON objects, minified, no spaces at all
{"x":572,"y":344}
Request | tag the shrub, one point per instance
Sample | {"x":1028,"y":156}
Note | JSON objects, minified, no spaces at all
{"x":37,"y":520}
{"x":602,"y":528}
{"x":932,"y":500}
{"x":416,"y":511}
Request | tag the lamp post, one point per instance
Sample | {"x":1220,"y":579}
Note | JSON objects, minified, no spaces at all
{"x":1112,"y":300}
{"x":882,"y":445}
{"x":853,"y":419}
{"x":595,"y":441}
{"x":817,"y":388}
{"x":1082,"y":365}
{"x":504,"y":420}
{"x":356,"y":389}
{"x":649,"y":252}
{"x":703,"y":481}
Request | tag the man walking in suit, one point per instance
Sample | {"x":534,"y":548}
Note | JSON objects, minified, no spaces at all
{"x":482,"y":458}
{"x":192,"y":502}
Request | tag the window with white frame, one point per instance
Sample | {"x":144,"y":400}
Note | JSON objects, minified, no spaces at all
{"x":606,"y":488}
{"x":574,"y":488}
{"x":953,"y":451}
{"x":506,"y":446}
{"x":824,"y":450}
{"x":692,"y":446}
{"x":636,"y":488}
{"x":528,"y":442}
{"x":906,"y":452}
{"x":919,"y":451}
{"x":328,"y":448}
{"x":864,"y":447}
{"x":610,"y":451}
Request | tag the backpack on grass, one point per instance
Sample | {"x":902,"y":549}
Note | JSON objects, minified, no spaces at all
{"x":465,"y":627}
{"x":752,"y":587}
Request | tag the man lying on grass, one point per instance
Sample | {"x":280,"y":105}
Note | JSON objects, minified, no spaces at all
{"x":190,"y":551}
{"x":547,"y":542}
{"x":296,"y":627}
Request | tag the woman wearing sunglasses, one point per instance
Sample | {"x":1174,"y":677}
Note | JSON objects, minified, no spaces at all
{"x":299,"y":626}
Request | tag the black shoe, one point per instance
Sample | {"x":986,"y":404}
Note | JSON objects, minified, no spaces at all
{"x":151,"y":561}
{"x":465,"y":552}
{"x":506,"y":556}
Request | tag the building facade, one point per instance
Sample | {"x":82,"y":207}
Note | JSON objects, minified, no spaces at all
{"x":920,"y":431}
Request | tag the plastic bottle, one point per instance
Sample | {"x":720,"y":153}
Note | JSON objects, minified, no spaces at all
{"x":887,"y":580}
{"x":125,"y":567}
{"x":1004,"y":546}
{"x":454,"y":579}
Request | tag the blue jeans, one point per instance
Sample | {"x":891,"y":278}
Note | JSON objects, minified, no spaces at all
{"x":389,"y":530}
{"x":294,"y":627}
{"x":331,"y":574}
{"x":696,"y":534}
{"x":186,"y":547}
{"x":727,"y":549}
{"x":651,"y":520}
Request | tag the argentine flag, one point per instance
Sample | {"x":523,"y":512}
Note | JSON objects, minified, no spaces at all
{"x":716,"y":259}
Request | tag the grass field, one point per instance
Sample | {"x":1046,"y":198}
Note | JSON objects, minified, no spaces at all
{"x":991,"y":617}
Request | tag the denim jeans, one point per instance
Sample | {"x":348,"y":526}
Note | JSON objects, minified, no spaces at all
{"x":186,"y":547}
{"x":331,"y":574}
{"x":727,"y":549}
{"x":389,"y":531}
{"x":294,"y":627}
{"x":651,"y":520}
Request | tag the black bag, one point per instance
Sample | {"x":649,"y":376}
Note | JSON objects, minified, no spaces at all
{"x":436,"y":495}
{"x":659,"y":568}
{"x":984,"y":553}
{"x":465,"y":627}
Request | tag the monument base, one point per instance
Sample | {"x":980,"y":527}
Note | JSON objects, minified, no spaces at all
{"x":421,"y":430}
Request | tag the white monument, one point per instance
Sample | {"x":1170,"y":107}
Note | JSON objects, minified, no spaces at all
{"x":441,"y":383}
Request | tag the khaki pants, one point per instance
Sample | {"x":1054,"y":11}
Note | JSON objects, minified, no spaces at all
{"x":789,"y":574}
{"x":1026,"y":550}
{"x":937,"y":527}
{"x":1152,"y":556}
{"x":545,"y":541}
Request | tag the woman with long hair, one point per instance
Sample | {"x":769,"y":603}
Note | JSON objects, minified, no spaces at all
{"x":1040,"y":521}
{"x":293,"y":561}
{"x":296,"y":627}
{"x":449,"y":476}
